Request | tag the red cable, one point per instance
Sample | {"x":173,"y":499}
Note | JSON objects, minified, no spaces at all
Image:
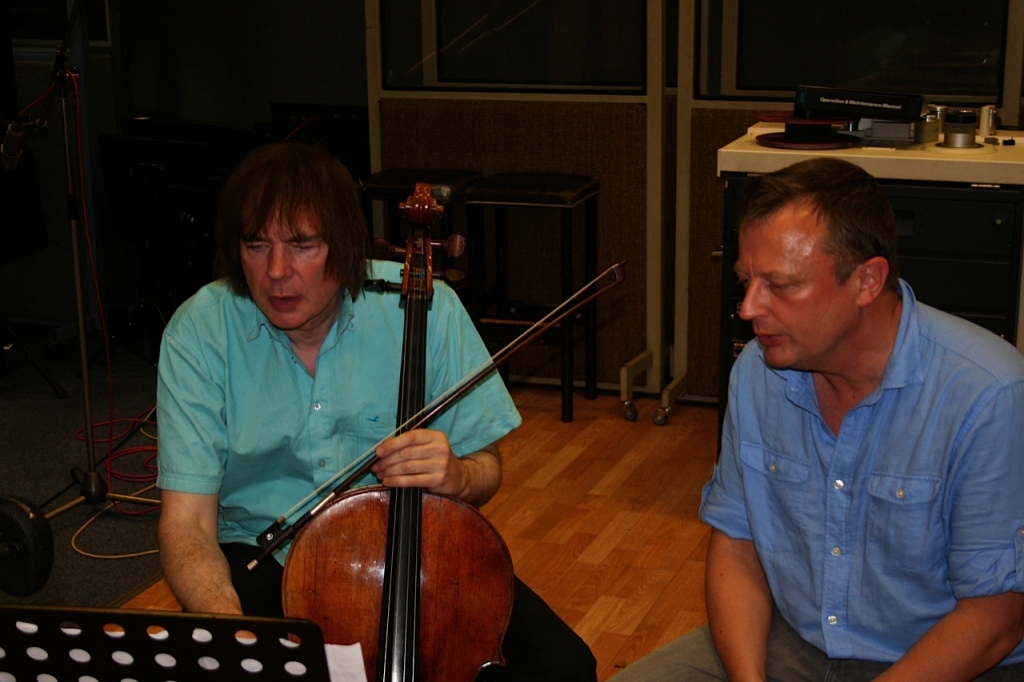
{"x":39,"y":99}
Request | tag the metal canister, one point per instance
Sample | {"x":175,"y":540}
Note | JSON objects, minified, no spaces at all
{"x":959,"y":128}
{"x":988,"y":121}
{"x":926,"y":128}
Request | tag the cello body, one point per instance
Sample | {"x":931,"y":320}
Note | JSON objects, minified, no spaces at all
{"x":335,"y":572}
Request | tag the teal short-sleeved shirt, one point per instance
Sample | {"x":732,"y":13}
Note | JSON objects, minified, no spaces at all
{"x":240,"y":417}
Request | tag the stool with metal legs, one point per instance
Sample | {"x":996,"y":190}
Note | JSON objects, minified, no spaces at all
{"x":560,"y":191}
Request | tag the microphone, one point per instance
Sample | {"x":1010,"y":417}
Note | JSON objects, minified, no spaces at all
{"x":10,"y":150}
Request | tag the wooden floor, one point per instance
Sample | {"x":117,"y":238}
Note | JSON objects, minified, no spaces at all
{"x":600,"y":516}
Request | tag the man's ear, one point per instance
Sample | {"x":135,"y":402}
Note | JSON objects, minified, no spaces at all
{"x":871,"y":275}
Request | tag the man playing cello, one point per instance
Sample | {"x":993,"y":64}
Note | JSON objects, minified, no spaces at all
{"x":281,"y":372}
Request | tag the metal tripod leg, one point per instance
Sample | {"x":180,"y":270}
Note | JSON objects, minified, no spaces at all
{"x":61,"y":393}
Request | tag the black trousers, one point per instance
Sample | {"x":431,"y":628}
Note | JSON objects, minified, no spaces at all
{"x":538,"y":645}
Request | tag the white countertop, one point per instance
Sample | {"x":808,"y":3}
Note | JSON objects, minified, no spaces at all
{"x":988,"y":164}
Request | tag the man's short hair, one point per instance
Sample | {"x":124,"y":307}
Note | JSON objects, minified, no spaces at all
{"x":291,"y":182}
{"x":857,"y":215}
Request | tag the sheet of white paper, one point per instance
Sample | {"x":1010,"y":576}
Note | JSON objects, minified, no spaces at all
{"x":345,"y":662}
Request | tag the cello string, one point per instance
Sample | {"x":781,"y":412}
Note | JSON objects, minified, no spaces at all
{"x":454,"y":388}
{"x":416,"y":302}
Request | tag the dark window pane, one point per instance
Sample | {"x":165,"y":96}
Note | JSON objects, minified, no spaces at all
{"x":48,"y":19}
{"x":546,"y":44}
{"x":936,"y":48}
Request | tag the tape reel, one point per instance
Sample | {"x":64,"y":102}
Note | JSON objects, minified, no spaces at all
{"x":802,"y":133}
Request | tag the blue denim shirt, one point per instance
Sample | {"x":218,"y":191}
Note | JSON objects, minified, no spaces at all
{"x":870,"y":537}
{"x":239,"y":416}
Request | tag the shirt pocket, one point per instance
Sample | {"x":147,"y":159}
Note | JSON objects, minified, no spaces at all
{"x":904,"y":522}
{"x":775,"y":487}
{"x":370,"y":427}
{"x":376,"y":425}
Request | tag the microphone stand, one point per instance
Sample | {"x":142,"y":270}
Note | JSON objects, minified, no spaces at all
{"x":93,"y":487}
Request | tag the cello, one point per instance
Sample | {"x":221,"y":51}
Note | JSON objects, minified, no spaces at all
{"x":423,"y":582}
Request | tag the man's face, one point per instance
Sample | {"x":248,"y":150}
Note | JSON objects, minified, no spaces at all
{"x":285,"y":270}
{"x":800,"y":313}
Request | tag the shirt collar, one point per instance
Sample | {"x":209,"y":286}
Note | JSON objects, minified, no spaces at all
{"x":904,"y":366}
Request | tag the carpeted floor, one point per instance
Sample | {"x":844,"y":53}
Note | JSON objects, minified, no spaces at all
{"x":40,"y":446}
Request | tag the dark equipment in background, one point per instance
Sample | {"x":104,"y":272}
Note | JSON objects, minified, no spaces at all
{"x":343,"y":130}
{"x":26,"y":544}
{"x":22,"y":227}
{"x":22,"y":231}
{"x":162,"y":179}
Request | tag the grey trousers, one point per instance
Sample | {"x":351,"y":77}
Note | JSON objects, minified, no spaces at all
{"x":790,"y":659}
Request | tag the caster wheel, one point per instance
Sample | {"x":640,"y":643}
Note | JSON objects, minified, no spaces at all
{"x":26,"y":548}
{"x":629,"y":409}
{"x":661,"y":416}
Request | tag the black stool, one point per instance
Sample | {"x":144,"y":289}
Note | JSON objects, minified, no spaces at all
{"x":395,"y":185}
{"x":546,"y":190}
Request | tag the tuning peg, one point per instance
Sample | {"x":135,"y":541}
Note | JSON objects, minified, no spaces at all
{"x":381,"y":249}
{"x":453,"y":277}
{"x":454,"y":245}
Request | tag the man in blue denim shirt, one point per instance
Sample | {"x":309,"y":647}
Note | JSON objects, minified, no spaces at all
{"x":867,"y":508}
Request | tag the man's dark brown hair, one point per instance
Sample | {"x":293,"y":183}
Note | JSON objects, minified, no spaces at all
{"x":858,"y":217}
{"x":288,"y":182}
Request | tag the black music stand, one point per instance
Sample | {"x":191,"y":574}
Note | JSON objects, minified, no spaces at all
{"x":113,"y":644}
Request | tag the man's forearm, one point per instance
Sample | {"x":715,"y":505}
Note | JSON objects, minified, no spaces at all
{"x":193,"y":563}
{"x":739,"y":605}
{"x":198,"y":575}
{"x":482,"y":475}
{"x":976,"y":635}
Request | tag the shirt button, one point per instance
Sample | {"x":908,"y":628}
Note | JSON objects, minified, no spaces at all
{"x":316,"y":407}
{"x":901,"y":493}
{"x":832,"y":620}
{"x":773,"y":468}
{"x":836,"y":551}
{"x":838,"y":485}
{"x":322,"y":463}
{"x":1022,"y":532}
